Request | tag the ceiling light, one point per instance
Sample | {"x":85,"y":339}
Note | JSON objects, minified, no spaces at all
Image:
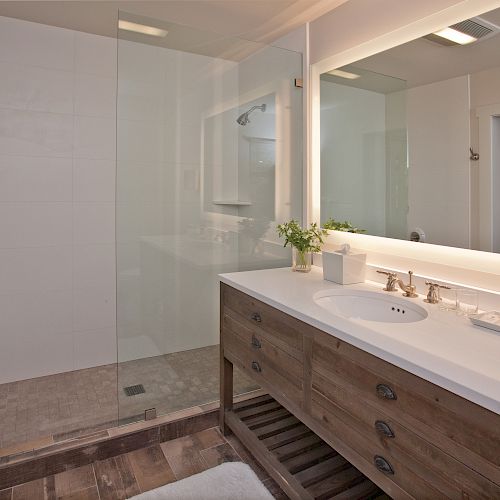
{"x":141,"y":28}
{"x":455,"y":36}
{"x":343,"y":74}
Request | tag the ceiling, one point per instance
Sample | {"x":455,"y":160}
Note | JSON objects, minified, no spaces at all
{"x":422,"y":61}
{"x":256,"y":20}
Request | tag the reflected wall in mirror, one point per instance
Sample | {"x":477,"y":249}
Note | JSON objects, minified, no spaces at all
{"x":399,"y":135}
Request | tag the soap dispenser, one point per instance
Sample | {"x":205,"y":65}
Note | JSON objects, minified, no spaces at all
{"x":344,"y":266}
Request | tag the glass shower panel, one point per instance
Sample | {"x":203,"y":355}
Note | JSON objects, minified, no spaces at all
{"x":202,"y":181}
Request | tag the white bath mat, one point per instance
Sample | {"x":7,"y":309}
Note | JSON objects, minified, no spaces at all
{"x":228,"y":481}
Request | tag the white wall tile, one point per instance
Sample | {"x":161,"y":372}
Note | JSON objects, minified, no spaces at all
{"x":34,"y":133}
{"x":36,"y":44}
{"x":42,"y":353}
{"x":94,"y":309}
{"x":24,"y":178}
{"x":95,"y":95}
{"x":36,"y":89}
{"x":94,"y":223}
{"x":94,"y":348}
{"x":36,"y":269}
{"x":142,"y":142}
{"x":94,"y":137}
{"x":94,"y":266}
{"x":95,"y":55}
{"x":94,"y":180}
{"x":35,"y":224}
{"x":57,"y":190}
{"x":48,"y":312}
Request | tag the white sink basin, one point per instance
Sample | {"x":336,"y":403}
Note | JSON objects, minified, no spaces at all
{"x":371,"y":306}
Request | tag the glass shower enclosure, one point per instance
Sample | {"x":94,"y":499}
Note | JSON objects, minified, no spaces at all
{"x":209,"y":161}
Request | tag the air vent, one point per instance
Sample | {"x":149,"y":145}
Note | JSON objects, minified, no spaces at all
{"x":476,"y":27}
{"x":472,"y":28}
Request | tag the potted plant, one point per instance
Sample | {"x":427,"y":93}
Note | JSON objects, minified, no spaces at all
{"x":304,"y":243}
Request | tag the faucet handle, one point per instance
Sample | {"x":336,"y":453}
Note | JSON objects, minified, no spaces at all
{"x":387,"y":273}
{"x":391,"y":280}
{"x":437,"y":285}
{"x":434,"y":295}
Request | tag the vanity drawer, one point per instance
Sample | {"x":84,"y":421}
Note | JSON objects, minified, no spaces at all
{"x":398,"y":444}
{"x":261,"y":348}
{"x":458,"y":427}
{"x":375,"y":460}
{"x":271,"y":368}
{"x":275,"y":326}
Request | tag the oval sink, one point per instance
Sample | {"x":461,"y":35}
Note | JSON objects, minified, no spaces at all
{"x":370,"y":306}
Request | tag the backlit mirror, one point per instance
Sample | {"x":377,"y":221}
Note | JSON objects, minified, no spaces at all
{"x":410,"y":139}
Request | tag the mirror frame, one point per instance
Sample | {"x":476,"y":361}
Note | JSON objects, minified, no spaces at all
{"x":436,"y":253}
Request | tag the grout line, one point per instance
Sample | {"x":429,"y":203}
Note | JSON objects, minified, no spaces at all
{"x":95,"y":480}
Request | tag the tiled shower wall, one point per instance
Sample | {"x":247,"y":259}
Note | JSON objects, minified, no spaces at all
{"x":57,"y":188}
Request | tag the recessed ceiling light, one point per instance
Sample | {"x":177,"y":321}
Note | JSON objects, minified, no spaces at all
{"x":343,"y":74}
{"x":455,"y":36}
{"x":141,"y":28}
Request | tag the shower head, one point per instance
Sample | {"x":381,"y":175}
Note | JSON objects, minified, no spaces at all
{"x":243,"y":118}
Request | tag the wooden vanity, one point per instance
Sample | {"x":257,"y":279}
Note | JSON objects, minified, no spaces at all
{"x":410,"y":437}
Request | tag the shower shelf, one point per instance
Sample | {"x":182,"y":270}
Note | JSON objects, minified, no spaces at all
{"x":232,"y":202}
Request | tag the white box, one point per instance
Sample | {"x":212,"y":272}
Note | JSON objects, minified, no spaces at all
{"x":342,"y":268}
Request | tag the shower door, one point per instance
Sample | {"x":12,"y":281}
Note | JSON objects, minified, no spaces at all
{"x":199,"y":193}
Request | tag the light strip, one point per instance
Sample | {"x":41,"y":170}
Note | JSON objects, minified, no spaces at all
{"x":343,"y":74}
{"x":455,"y":36}
{"x":141,"y":28}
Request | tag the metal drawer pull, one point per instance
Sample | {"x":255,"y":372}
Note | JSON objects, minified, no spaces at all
{"x":383,"y":429}
{"x":256,"y":317}
{"x":256,"y":342}
{"x":383,"y":465}
{"x":256,"y":366}
{"x":384,"y":391}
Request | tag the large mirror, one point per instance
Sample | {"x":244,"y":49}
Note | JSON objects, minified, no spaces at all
{"x":410,"y":139}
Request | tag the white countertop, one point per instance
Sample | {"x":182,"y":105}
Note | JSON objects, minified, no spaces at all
{"x":444,"y":348}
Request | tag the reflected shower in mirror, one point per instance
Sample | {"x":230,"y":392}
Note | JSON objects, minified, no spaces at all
{"x":410,"y":139}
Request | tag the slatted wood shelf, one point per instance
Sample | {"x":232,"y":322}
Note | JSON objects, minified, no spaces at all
{"x":302,"y":463}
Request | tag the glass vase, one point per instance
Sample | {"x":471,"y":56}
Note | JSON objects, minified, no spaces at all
{"x":301,"y":260}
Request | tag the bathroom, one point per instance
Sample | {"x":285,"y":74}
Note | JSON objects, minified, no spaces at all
{"x":146,"y":148}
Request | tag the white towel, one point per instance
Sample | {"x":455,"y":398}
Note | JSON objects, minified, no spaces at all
{"x":228,"y":481}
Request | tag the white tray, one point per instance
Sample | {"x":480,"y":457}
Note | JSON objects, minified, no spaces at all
{"x":489,"y":320}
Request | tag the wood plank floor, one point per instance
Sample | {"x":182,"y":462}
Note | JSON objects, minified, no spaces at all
{"x":132,"y":473}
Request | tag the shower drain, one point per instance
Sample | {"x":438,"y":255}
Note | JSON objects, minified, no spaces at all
{"x":133,"y":390}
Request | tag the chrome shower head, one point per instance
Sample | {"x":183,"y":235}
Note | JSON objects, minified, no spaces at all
{"x":243,"y":118}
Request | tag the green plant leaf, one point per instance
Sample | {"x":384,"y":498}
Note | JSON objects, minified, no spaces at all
{"x":304,"y":240}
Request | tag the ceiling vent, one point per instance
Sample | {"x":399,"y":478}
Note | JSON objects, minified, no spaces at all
{"x":476,"y":27}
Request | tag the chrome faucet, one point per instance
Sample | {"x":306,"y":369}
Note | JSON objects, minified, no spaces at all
{"x":410,"y":290}
{"x":434,"y":294}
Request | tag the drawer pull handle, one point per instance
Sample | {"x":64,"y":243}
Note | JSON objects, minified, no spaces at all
{"x":256,"y":367}
{"x":256,"y":317}
{"x":383,"y":429}
{"x":384,"y":391}
{"x":383,"y":465}
{"x":256,"y":342}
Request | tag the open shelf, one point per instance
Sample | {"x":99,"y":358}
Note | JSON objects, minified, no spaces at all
{"x":300,"y":461}
{"x":232,"y":202}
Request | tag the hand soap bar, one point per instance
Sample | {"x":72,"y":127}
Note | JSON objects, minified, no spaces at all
{"x":344,"y":266}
